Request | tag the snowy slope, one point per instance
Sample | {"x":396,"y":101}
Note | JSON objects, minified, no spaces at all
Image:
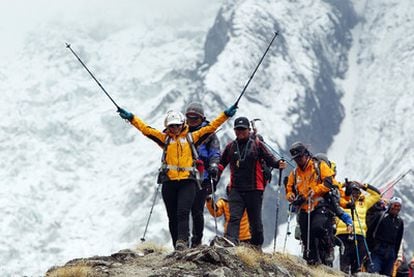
{"x":375,"y":142}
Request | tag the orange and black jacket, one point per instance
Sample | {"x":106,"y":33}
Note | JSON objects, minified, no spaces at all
{"x":308,"y":179}
{"x":222,"y":207}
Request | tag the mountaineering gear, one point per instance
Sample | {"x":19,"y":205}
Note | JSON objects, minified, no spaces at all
{"x":214,"y":171}
{"x":90,"y":73}
{"x":174,"y":118}
{"x":195,"y":109}
{"x":230,"y":111}
{"x":254,"y":72}
{"x":222,"y":208}
{"x":277,"y":209}
{"x":179,"y":162}
{"x":242,"y":123}
{"x":395,"y":200}
{"x":149,"y":216}
{"x":181,"y":245}
{"x":124,"y":114}
{"x":298,"y":149}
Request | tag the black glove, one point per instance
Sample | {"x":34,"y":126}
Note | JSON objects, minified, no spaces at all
{"x":230,"y":111}
{"x":214,"y":171}
{"x":350,"y":205}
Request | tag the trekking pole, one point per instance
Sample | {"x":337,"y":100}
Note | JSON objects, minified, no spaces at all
{"x":287,"y":227}
{"x":371,"y":264}
{"x":308,"y":229}
{"x":396,"y":181}
{"x":277,"y":153}
{"x":254,"y":72}
{"x":149,"y":216}
{"x":214,"y":205}
{"x":279,"y":183}
{"x":90,"y":73}
{"x":355,"y":237}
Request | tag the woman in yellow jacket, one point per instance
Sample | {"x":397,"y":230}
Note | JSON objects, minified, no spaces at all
{"x":178,"y":173}
{"x":359,"y":206}
{"x":222,"y":207}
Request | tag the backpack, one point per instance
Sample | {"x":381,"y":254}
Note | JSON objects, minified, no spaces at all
{"x":197,"y":170}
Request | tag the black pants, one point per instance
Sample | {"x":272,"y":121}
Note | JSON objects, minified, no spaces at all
{"x":349,"y":260}
{"x":197,"y":214}
{"x":178,"y":198}
{"x":318,"y":233}
{"x":252,"y":202}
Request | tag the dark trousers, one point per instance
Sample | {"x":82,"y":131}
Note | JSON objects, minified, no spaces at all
{"x":383,"y":257}
{"x":349,"y":260}
{"x":197,"y":214}
{"x":178,"y":198}
{"x":252,"y":202}
{"x":318,"y":233}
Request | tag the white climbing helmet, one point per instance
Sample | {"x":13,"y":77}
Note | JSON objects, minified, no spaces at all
{"x":174,"y":117}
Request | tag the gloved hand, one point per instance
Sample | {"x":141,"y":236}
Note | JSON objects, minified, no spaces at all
{"x":125,"y":114}
{"x":230,"y":111}
{"x":350,"y":205}
{"x":213,"y":171}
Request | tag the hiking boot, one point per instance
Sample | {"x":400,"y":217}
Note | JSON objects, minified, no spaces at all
{"x":181,"y":245}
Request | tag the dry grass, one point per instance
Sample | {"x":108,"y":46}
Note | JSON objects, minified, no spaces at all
{"x":249,"y":256}
{"x":72,"y":271}
{"x":151,"y":247}
{"x":295,"y":265}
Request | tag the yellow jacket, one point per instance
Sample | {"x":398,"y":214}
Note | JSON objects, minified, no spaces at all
{"x":308,"y":179}
{"x":362,"y":205}
{"x":179,"y":156}
{"x":222,"y":207}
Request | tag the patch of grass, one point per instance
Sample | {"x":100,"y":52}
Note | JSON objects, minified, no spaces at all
{"x":72,"y":271}
{"x":249,"y":256}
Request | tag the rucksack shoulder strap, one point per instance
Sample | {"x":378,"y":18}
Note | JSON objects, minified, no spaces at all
{"x":164,"y":151}
{"x":192,"y":146}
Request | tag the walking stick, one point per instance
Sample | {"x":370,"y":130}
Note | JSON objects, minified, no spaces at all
{"x":277,"y":208}
{"x":308,"y":229}
{"x":254,"y":72}
{"x":355,"y":237}
{"x":214,"y":205}
{"x":90,"y":73}
{"x":288,"y":226}
{"x":149,"y":216}
{"x":371,"y":264}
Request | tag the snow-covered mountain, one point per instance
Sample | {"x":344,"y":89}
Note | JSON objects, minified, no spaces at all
{"x":78,"y":181}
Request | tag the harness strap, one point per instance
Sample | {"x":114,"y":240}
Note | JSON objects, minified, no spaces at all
{"x":179,"y":168}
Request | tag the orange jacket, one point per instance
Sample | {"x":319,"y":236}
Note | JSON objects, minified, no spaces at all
{"x":178,"y":154}
{"x":222,"y":207}
{"x":306,"y":180}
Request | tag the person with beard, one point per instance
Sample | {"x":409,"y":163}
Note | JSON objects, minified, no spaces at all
{"x":247,"y":182}
{"x":209,"y":153}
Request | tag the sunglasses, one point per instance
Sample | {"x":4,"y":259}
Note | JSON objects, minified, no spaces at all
{"x":174,"y":126}
{"x":240,"y":129}
{"x":193,"y":117}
